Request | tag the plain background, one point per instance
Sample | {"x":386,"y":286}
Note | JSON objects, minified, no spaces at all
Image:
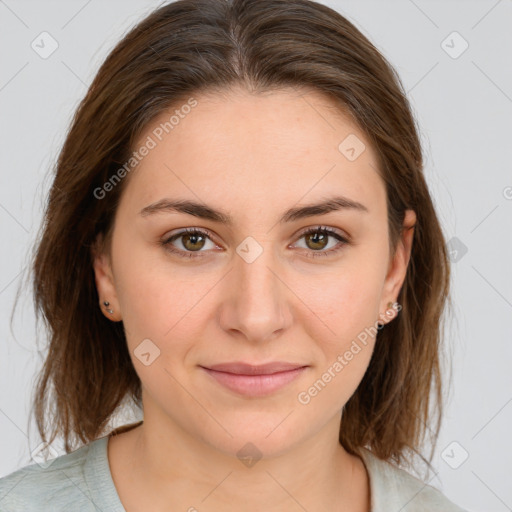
{"x":463,"y":103}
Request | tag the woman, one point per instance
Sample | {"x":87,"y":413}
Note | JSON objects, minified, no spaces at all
{"x":240,"y":239}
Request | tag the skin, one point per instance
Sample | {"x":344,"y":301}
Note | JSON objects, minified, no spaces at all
{"x":252,"y":156}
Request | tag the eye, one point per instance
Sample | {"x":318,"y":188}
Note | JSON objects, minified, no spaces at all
{"x":193,"y":240}
{"x":317,"y":238}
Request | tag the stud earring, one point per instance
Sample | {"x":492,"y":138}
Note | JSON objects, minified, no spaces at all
{"x":381,"y":325}
{"x":107,"y":304}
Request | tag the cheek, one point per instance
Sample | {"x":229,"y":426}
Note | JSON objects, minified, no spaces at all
{"x":345,"y":339}
{"x":164,"y":310}
{"x":344,"y":303}
{"x":162,"y":303}
{"x":150,"y":289}
{"x":345,"y":313}
{"x":143,"y":293}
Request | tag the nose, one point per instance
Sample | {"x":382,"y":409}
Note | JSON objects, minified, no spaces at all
{"x":256,"y":298}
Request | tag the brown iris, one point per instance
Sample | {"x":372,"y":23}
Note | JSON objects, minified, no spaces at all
{"x":319,"y":240}
{"x":189,"y":241}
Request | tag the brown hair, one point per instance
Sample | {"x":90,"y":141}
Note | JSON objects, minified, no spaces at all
{"x":193,"y":46}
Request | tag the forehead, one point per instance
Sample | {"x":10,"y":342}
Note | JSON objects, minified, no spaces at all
{"x":255,"y":150}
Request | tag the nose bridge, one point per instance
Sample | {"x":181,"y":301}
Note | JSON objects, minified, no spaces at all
{"x":256,"y":270}
{"x":257,"y":290}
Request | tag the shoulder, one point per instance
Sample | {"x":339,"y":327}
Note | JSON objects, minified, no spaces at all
{"x":57,"y":484}
{"x":393,"y":488}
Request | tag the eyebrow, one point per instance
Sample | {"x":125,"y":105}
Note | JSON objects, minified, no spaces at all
{"x":204,"y":211}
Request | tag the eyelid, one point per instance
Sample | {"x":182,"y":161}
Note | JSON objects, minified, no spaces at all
{"x":329,"y":229}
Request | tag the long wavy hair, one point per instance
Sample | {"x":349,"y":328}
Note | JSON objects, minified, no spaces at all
{"x":192,"y":46}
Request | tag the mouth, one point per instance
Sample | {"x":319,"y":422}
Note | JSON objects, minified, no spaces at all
{"x":255,"y":380}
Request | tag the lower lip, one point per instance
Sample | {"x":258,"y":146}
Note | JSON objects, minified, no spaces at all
{"x":255,"y":385}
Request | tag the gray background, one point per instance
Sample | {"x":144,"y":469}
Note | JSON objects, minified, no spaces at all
{"x":464,"y":106}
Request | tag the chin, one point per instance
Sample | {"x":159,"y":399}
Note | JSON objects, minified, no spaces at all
{"x":256,"y":435}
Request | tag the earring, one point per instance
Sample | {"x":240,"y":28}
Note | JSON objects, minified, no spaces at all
{"x":107,"y":304}
{"x":379,"y":325}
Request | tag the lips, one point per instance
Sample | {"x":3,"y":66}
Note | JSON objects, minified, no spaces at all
{"x":255,"y":380}
{"x":239,"y":368}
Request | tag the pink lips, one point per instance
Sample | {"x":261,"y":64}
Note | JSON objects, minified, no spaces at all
{"x":251,"y":380}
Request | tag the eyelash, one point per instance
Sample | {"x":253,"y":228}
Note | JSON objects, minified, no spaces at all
{"x":196,"y":231}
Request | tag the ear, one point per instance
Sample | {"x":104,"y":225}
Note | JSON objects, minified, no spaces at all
{"x":398,"y":267}
{"x":104,"y":278}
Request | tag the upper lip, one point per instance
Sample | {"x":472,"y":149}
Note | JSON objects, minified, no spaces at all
{"x":240,"y":368}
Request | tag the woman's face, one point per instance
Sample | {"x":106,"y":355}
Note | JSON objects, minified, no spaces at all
{"x":255,"y":289}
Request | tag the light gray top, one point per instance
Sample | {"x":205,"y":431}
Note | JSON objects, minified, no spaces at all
{"x":81,"y":481}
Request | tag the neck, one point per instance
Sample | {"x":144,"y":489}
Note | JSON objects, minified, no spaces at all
{"x":175,"y":468}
